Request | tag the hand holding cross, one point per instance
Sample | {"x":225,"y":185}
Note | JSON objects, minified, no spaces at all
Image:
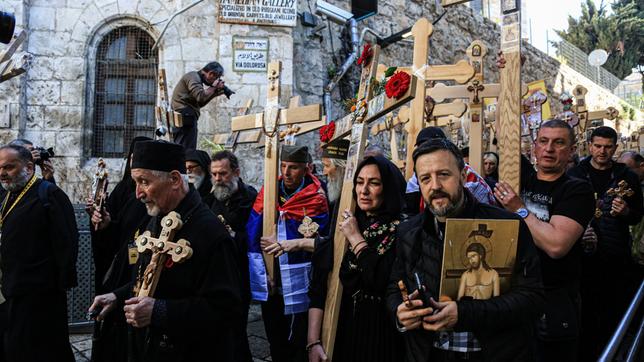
{"x":619,"y":206}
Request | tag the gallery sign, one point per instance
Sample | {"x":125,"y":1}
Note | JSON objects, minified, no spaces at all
{"x":259,"y":12}
{"x":250,"y":54}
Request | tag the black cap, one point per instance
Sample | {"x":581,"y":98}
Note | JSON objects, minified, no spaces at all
{"x":200,"y":157}
{"x":337,"y":149}
{"x":159,"y":156}
{"x":429,"y":133}
{"x":295,"y":154}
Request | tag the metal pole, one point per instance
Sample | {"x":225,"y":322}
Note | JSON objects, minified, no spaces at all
{"x":156,"y":43}
{"x":635,"y":347}
{"x":612,"y":346}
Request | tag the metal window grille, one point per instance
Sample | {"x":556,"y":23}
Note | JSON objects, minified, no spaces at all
{"x":125,"y":91}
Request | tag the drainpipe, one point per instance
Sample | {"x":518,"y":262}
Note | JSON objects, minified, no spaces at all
{"x":355,"y":45}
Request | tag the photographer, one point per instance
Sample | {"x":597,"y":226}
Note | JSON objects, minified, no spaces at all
{"x":41,"y":157}
{"x":190,"y":95}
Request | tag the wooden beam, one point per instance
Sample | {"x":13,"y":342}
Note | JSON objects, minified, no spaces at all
{"x":13,"y":47}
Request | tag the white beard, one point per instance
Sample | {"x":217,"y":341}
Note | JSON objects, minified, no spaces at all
{"x":152,"y":209}
{"x":196,"y":180}
{"x":334,"y":187}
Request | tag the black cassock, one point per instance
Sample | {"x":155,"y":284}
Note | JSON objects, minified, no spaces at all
{"x":39,"y":245}
{"x":110,"y":248}
{"x":199,"y":301}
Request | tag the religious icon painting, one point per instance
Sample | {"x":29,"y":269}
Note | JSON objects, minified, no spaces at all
{"x":478,"y":258}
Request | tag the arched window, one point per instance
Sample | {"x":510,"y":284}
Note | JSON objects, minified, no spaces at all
{"x":125,"y":90}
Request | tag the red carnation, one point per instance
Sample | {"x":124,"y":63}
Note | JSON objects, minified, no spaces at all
{"x":327,"y":132}
{"x":397,"y":85}
{"x":365,"y":57}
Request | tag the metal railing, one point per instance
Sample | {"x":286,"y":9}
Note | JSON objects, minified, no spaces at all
{"x":616,"y":340}
{"x":80,"y":297}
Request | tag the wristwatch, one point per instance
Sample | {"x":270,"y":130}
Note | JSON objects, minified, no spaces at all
{"x":523,"y":212}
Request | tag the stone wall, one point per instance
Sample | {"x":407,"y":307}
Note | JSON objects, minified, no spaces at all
{"x":49,"y":104}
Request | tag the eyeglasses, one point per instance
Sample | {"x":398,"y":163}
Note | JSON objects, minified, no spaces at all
{"x":190,"y":168}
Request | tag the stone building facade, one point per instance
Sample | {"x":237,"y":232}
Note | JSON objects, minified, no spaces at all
{"x":55,"y":104}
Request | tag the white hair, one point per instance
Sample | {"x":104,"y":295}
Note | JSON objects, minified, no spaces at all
{"x":166,"y":175}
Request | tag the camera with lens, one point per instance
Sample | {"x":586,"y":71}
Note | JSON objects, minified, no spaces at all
{"x":44,"y":153}
{"x":228,"y":92}
{"x":7,"y":27}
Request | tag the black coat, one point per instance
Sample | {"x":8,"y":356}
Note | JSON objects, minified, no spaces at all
{"x":614,"y":237}
{"x":201,"y":296}
{"x":503,"y":325}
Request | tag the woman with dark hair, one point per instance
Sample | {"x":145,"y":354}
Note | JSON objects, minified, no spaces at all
{"x":491,"y":168}
{"x":365,"y":331}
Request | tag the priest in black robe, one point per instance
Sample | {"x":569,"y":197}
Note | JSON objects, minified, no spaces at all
{"x":39,"y":245}
{"x":232,"y":201}
{"x":119,"y":224}
{"x":197,"y":303}
{"x":198,"y":167}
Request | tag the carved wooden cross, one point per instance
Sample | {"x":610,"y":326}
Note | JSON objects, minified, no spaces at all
{"x":164,"y":113}
{"x":621,"y":191}
{"x":161,"y":248}
{"x":368,"y":109}
{"x":531,"y":117}
{"x":509,"y":103}
{"x":269,"y":123}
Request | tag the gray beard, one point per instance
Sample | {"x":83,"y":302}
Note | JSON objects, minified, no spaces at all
{"x":334,"y":187}
{"x":223,"y":191}
{"x":18,"y":183}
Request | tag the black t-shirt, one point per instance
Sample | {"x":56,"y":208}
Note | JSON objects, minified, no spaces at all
{"x":600,"y":179}
{"x":569,"y":197}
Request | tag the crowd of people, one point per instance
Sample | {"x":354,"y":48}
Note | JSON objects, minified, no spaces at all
{"x":578,"y":261}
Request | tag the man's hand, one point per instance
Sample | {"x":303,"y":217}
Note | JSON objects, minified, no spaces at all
{"x":446,"y":318}
{"x":266,"y":241}
{"x":507,"y":197}
{"x":101,"y":218}
{"x":89,"y":206}
{"x":589,"y":240}
{"x":411,"y":312}
{"x":317,"y":354}
{"x":105,"y":303}
{"x":284,"y":246}
{"x":47,"y":170}
{"x":138,"y":311}
{"x":619,"y":207}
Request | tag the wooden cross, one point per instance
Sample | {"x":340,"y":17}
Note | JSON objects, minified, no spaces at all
{"x":531,"y":117}
{"x":232,"y":139}
{"x":10,"y":67}
{"x":164,"y":113}
{"x":621,"y":191}
{"x":368,"y":109}
{"x":269,"y":123}
{"x":161,"y":248}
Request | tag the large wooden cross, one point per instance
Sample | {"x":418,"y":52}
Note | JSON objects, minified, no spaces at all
{"x":161,"y":248}
{"x":389,"y":124}
{"x":368,"y":109}
{"x":230,"y":140}
{"x":269,"y":122}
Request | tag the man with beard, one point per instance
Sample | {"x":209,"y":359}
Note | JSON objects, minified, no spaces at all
{"x":474,"y":183}
{"x":46,"y":166}
{"x":189,"y":96}
{"x":196,"y":305}
{"x":557,"y":209}
{"x":116,"y":227}
{"x":498,"y":329}
{"x":284,"y":300}
{"x":607,"y":266}
{"x":232,"y":201}
{"x":39,"y":244}
{"x":197,"y":166}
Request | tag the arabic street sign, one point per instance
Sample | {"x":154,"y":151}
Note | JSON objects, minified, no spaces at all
{"x":250,"y":54}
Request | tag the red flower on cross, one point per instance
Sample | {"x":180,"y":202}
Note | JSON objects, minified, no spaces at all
{"x":365,"y":57}
{"x":397,"y":85}
{"x":327,"y":132}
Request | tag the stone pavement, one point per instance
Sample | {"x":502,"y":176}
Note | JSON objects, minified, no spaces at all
{"x":82,"y":343}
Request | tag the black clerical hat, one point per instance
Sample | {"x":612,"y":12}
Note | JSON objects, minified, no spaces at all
{"x":337,"y":149}
{"x":429,"y":133}
{"x":159,"y":156}
{"x":295,"y":154}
